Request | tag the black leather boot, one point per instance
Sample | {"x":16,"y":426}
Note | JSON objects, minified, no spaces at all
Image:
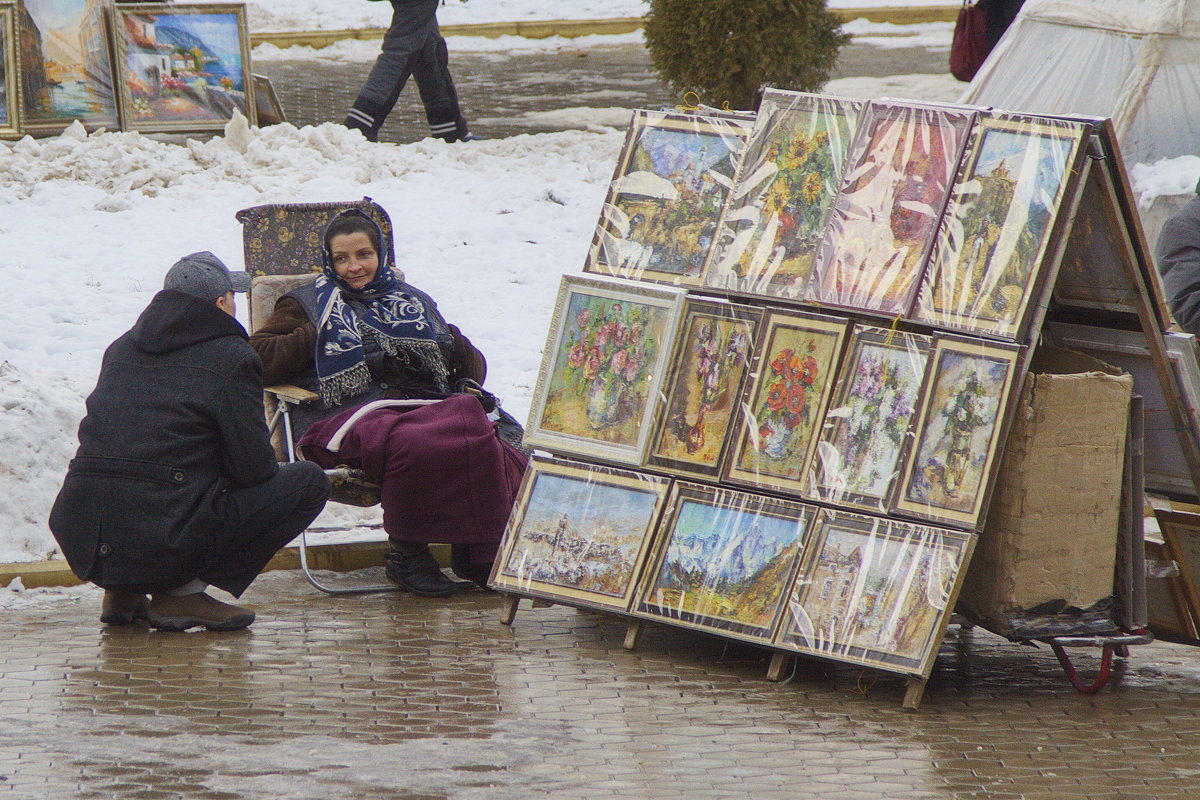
{"x":411,"y":566}
{"x":460,"y":562}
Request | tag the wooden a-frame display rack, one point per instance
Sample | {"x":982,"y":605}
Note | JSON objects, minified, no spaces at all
{"x":1123,"y":292}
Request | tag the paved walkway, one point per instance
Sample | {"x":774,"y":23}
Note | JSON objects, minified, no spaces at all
{"x":392,"y":696}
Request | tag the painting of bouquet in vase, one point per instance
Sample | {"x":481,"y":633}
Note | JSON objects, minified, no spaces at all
{"x":786,"y":403}
{"x":602,"y":365}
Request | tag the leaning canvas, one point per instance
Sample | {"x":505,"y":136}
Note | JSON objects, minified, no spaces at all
{"x":898,"y":175}
{"x":785,"y":187}
{"x":602,"y":368}
{"x":10,"y":72}
{"x":578,"y":533}
{"x":984,"y":273}
{"x":875,"y":592}
{"x":722,"y":560}
{"x":182,"y":67}
{"x":66,"y":66}
{"x":672,"y":179}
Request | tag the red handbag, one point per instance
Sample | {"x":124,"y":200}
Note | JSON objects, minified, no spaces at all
{"x":969,"y":47}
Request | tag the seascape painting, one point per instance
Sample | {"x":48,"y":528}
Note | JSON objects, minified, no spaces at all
{"x":994,"y":235}
{"x":786,"y":402}
{"x":672,"y":180}
{"x":724,"y":560}
{"x":875,"y":592}
{"x":785,"y":188}
{"x":859,"y":452}
{"x":578,"y":533}
{"x":183,"y":67}
{"x":883,"y":222}
{"x":602,"y":367}
{"x":955,"y":441}
{"x":712,"y":359}
{"x":66,"y":65}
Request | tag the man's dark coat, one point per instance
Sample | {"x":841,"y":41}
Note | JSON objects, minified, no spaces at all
{"x":175,"y":420}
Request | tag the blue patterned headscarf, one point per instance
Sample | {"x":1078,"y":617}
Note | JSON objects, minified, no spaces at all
{"x":382,"y":309}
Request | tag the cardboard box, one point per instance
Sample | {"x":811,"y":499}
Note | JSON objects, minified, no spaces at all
{"x":1045,"y":559}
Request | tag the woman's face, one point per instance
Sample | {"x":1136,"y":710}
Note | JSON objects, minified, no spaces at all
{"x":354,"y":258}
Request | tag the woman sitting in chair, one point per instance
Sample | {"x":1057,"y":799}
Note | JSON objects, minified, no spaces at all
{"x":359,"y":335}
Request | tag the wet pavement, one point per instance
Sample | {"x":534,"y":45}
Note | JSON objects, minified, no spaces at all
{"x":536,"y":92}
{"x":393,"y":696}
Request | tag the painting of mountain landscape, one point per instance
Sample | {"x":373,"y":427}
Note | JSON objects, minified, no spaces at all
{"x":579,"y":532}
{"x":724,"y":560}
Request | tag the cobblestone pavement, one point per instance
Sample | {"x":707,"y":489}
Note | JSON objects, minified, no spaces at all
{"x":392,"y":696}
{"x":534,"y":92}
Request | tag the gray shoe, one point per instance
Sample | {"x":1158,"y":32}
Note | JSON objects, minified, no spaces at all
{"x":170,"y":613}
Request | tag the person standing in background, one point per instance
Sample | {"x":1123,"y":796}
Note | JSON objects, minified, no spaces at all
{"x":413,"y":45}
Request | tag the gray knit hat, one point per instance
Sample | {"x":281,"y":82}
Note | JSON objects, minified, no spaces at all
{"x":203,"y":275}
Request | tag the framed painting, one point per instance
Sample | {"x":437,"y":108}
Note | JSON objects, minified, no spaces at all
{"x":66,"y":66}
{"x":999,"y":224}
{"x":858,"y":453}
{"x":966,"y":390}
{"x":1181,"y":535}
{"x":10,"y":73}
{"x":722,"y":561}
{"x":266,"y":103}
{"x":182,"y":67}
{"x":713,"y":352}
{"x":603,"y":368}
{"x":1098,"y":261}
{"x":1166,"y":466}
{"x":785,"y":187}
{"x":875,"y":592}
{"x":671,"y":182}
{"x":884,"y":219}
{"x":1167,"y":611}
{"x":781,"y":414}
{"x":578,"y":533}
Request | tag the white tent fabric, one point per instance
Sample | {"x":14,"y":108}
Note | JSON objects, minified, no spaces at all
{"x":1136,"y":61}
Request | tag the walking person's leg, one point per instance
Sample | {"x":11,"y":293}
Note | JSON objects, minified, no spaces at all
{"x":412,"y":23}
{"x":431,"y":70}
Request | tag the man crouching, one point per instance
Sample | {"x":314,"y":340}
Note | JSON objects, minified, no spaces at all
{"x":175,"y":484}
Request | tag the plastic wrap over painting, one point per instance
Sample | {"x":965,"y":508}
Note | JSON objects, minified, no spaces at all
{"x":722,"y":560}
{"x":993,"y":240}
{"x":713,"y":352}
{"x":66,"y":65}
{"x":883,"y":222}
{"x":858,"y":453}
{"x":602,"y":369}
{"x":578,"y":533}
{"x":947,"y":473}
{"x":785,"y":187}
{"x":671,"y":183}
{"x":875,"y":592}
{"x":780,"y":418}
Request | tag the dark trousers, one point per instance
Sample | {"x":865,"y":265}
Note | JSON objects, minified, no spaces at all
{"x":413,"y":46}
{"x":256,"y":522}
{"x":999,"y":14}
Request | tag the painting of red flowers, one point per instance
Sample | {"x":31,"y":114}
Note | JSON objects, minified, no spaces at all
{"x":783,"y":409}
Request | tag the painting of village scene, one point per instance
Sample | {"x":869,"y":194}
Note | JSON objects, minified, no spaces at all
{"x":994,"y":235}
{"x":712,"y":358}
{"x":723,"y":560}
{"x":858,"y":453}
{"x":578,"y":533}
{"x":602,"y":368}
{"x":784,"y":406}
{"x":66,"y":71}
{"x":966,"y":390}
{"x":671,"y":182}
{"x":875,"y":592}
{"x":183,"y":67}
{"x":1097,"y":262}
{"x":883,"y":222}
{"x":784,"y":190}
{"x":9,"y":72}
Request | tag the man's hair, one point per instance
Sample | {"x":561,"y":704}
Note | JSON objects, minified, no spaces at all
{"x":354,"y":223}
